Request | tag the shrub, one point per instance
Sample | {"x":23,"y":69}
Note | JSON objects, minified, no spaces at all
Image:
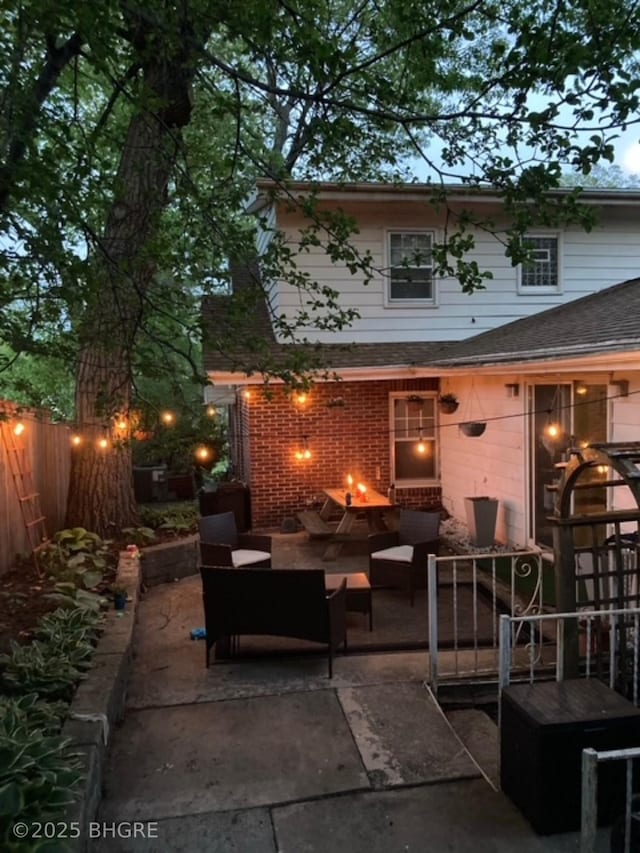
{"x":38,"y":774}
{"x":78,"y":558}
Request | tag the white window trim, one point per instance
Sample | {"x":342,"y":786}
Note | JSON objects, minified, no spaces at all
{"x":541,"y":291}
{"x":417,"y":483}
{"x":407,"y":303}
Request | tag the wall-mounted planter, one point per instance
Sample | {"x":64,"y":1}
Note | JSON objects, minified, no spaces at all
{"x":482,"y":513}
{"x":472,"y":429}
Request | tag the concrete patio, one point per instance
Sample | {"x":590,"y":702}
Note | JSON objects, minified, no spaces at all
{"x":270,"y":756}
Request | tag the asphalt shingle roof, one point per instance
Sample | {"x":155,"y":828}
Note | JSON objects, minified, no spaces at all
{"x":607,"y":321}
{"x":242,"y":340}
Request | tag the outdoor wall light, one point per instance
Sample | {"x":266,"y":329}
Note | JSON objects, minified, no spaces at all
{"x":622,"y":385}
{"x":303,"y":453}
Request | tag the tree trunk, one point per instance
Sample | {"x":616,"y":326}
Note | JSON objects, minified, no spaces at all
{"x":101,"y":485}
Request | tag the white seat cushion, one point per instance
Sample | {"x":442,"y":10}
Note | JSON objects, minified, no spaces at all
{"x":399,"y":554}
{"x":245,"y":557}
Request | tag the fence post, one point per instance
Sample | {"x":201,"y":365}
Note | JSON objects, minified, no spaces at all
{"x":432,"y":615}
{"x":504,"y":666}
{"x":589,"y":808}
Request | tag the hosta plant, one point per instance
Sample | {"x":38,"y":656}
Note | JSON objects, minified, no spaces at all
{"x":38,"y":773}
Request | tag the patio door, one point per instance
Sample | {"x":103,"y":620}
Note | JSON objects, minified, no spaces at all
{"x":561,"y":415}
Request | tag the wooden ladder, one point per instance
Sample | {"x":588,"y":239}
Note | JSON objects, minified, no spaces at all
{"x":28,"y":498}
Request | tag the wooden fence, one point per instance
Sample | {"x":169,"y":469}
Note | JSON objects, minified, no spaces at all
{"x":47,"y":451}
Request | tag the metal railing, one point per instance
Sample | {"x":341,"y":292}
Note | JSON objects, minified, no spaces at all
{"x":622,"y":649}
{"x":623,"y":655}
{"x":469,"y":593}
{"x":589,"y":812}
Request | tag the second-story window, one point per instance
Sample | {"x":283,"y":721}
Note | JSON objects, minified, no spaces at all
{"x":541,"y":273}
{"x":410,"y":267}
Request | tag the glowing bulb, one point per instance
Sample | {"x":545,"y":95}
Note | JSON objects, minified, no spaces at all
{"x":306,"y":453}
{"x":301,"y":398}
{"x":422,"y":447}
{"x":299,"y":455}
{"x":212,"y":411}
{"x":202,"y":453}
{"x":122,"y":424}
{"x":602,"y":469}
{"x":76,"y":440}
{"x":247,"y":395}
{"x":349,"y":480}
{"x":19,"y":428}
{"x":103,"y":444}
{"x":553,"y":430}
{"x":168,"y":417}
{"x":581,"y":389}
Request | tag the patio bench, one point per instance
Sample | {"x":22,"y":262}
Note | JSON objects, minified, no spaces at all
{"x":279,"y":602}
{"x":315,"y":526}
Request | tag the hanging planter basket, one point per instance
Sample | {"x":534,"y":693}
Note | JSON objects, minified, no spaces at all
{"x":470,"y":426}
{"x":472,"y":429}
{"x":448,"y":405}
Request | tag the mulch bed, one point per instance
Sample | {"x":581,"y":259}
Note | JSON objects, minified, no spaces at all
{"x":23,"y":602}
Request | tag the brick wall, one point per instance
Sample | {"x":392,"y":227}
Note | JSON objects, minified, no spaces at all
{"x":349,"y":438}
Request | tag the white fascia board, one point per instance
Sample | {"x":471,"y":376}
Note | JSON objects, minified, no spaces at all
{"x":351,"y":374}
{"x":601,"y":362}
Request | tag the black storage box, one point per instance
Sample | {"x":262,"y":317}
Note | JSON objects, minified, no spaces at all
{"x":543,"y":729}
{"x":228,"y":497}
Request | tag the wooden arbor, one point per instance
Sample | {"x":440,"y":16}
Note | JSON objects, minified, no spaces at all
{"x":596,"y":552}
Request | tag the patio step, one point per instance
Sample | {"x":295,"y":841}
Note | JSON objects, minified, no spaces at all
{"x":315,"y":526}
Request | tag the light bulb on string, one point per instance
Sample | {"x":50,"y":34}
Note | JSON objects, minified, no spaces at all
{"x":202,"y":453}
{"x":103,"y":444}
{"x":168,"y":418}
{"x":76,"y":440}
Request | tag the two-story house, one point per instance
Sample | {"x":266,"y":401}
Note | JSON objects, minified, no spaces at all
{"x":547,"y":353}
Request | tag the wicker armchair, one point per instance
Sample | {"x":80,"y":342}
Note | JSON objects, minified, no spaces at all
{"x":222,"y":545}
{"x":398,"y":558}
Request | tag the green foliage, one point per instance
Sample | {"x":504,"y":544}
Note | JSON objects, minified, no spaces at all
{"x":52,"y":665}
{"x":38,"y":774}
{"x":139,"y":536}
{"x":176,"y":518}
{"x":77,"y":559}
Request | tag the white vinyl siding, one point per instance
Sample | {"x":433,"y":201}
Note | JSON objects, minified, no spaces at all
{"x":607,"y":255}
{"x":541,"y":273}
{"x":410,"y":267}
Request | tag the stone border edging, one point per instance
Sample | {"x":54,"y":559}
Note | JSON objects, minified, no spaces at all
{"x":99,"y":701}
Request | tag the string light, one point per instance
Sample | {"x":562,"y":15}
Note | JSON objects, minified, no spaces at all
{"x":212,"y":411}
{"x":19,"y":428}
{"x":103,"y":443}
{"x":76,"y":440}
{"x":301,"y":399}
{"x":203,"y":453}
{"x":168,"y":418}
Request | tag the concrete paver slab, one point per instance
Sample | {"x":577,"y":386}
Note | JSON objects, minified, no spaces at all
{"x":459,"y":817}
{"x":226,"y":832}
{"x":402,"y":736}
{"x":230,"y":755}
{"x":169,"y":667}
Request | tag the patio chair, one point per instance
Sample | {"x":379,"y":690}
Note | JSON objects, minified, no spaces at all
{"x":222,"y":545}
{"x":398,"y":558}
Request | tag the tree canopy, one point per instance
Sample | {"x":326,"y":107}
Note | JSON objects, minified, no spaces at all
{"x":131,"y":135}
